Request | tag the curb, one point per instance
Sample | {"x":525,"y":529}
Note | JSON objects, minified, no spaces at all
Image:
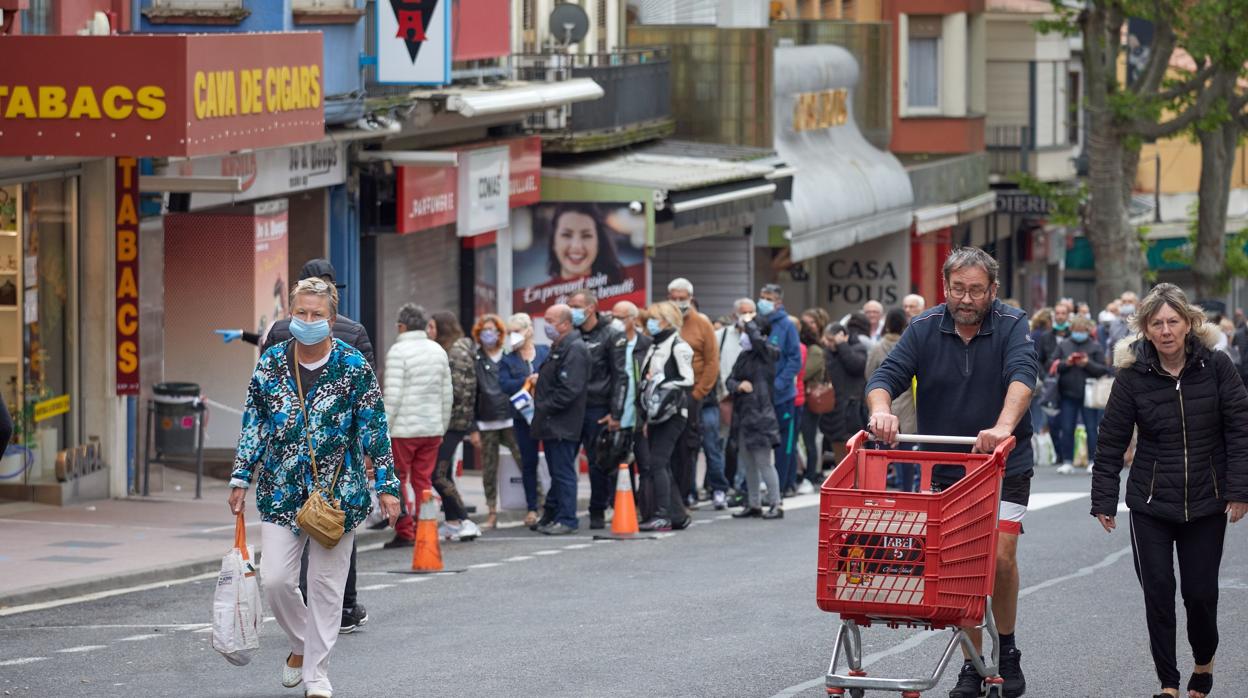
{"x":182,"y":570}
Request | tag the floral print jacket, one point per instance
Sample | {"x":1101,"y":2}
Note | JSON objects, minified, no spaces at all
{"x":348,"y":421}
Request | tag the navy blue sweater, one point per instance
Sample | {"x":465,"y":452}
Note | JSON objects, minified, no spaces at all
{"x":962,"y":386}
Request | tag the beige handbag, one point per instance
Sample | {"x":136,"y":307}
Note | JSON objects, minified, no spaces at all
{"x":320,"y":516}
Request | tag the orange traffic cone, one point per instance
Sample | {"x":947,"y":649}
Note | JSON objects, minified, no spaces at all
{"x":624,"y":522}
{"x":427,"y":556}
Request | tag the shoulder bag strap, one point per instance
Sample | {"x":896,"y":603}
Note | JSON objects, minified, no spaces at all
{"x":307,"y":430}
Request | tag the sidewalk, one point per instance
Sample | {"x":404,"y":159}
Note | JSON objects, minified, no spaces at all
{"x":49,"y":553}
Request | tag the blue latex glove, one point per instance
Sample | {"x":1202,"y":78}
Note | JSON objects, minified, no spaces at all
{"x":228,"y":336}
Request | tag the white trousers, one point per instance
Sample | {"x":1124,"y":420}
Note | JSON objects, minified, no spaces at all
{"x":311,"y":628}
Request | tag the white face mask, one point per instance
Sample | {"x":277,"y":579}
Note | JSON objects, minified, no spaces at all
{"x":514,"y":340}
{"x":617,"y":325}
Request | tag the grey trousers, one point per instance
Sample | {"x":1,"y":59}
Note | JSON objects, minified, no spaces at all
{"x":758,"y":465}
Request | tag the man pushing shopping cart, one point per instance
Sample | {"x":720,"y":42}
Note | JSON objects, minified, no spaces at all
{"x":976,"y":368}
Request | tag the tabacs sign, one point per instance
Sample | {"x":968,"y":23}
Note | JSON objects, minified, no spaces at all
{"x":414,"y":42}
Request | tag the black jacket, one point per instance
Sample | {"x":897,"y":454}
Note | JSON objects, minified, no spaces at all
{"x":559,"y":402}
{"x":846,"y":369}
{"x":493,"y":403}
{"x":1240,"y":342}
{"x":608,"y":381}
{"x":754,"y":423}
{"x":1192,"y":455}
{"x":345,"y":328}
{"x":6,"y":426}
{"x":1048,"y":346}
{"x":1071,"y":380}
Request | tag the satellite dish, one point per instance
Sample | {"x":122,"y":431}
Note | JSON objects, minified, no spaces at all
{"x":568,"y":23}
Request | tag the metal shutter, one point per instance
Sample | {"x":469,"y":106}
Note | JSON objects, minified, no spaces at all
{"x":718,"y":267}
{"x":420,"y":268}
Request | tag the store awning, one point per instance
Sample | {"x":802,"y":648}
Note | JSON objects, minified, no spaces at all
{"x":521,"y":96}
{"x":845,"y":191}
{"x":932,"y":218}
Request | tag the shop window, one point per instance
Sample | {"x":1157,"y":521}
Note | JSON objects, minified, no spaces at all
{"x":923,"y":64}
{"x":34,"y":19}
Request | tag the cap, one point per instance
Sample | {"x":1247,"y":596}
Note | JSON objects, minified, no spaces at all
{"x":318,"y":268}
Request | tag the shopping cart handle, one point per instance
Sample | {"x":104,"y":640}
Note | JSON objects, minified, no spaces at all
{"x":935,"y":439}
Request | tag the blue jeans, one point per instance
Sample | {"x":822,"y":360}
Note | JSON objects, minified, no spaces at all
{"x":601,"y":477}
{"x":1071,"y":409}
{"x":786,"y":460}
{"x":530,"y":458}
{"x":714,"y":450}
{"x":561,"y":500}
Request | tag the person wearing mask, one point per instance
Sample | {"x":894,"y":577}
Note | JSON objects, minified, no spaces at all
{"x":702,"y":427}
{"x":1048,"y":346}
{"x":874,"y":311}
{"x":783,"y":336}
{"x":814,"y":373}
{"x":338,"y":415}
{"x":493,"y":409}
{"x":895,"y":323}
{"x":559,"y":415}
{"x":608,"y":386}
{"x":846,"y":359}
{"x":1079,"y":357}
{"x":460,"y":353}
{"x":728,"y":340}
{"x":668,"y":377}
{"x":755,"y":430}
{"x":913,"y":305}
{"x":1121,"y":329}
{"x":519,"y":364}
{"x":626,"y":317}
{"x":1084,"y":311}
{"x":418,"y":396}
{"x":1190,"y":410}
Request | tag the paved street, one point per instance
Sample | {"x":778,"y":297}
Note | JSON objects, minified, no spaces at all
{"x":724,"y":609}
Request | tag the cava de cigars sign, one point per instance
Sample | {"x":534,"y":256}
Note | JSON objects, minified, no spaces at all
{"x":155,"y":95}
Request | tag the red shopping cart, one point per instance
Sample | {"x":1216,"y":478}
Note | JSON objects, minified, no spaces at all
{"x":919,"y":559}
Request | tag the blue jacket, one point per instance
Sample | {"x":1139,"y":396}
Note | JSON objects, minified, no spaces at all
{"x":784,"y":338}
{"x":513,"y":370}
{"x":962,"y":386}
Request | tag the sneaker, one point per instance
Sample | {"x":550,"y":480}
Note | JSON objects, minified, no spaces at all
{"x":557,"y":529}
{"x":1066,"y":469}
{"x":469,"y":530}
{"x":1015,"y":685}
{"x":748,"y":513}
{"x":775,"y":512}
{"x":361,"y":614}
{"x":970,"y":684}
{"x":682,"y":525}
{"x":721,"y":500}
{"x":597,"y":520}
{"x":736,"y":500}
{"x":656,"y":524}
{"x":448,"y":531}
{"x":805,"y":487}
{"x":704,"y":495}
{"x":291,"y":675}
{"x":399,"y":542}
{"x":352,"y":620}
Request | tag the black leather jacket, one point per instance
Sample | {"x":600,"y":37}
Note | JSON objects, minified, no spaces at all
{"x":608,"y":372}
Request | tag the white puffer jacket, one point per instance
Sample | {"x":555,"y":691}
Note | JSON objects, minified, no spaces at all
{"x":417,"y":387}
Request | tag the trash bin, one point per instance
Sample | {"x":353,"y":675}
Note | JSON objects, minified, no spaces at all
{"x":176,"y":427}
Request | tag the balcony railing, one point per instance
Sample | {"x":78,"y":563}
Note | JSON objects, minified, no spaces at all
{"x":1010,"y":150}
{"x":636,"y":106}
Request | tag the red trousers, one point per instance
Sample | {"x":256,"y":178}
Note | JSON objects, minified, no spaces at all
{"x":414,"y":459}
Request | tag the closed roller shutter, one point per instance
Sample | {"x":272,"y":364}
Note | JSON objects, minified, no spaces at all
{"x":718,"y":267}
{"x":421,"y":268}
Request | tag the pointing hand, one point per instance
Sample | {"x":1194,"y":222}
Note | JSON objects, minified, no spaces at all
{"x":228,"y":336}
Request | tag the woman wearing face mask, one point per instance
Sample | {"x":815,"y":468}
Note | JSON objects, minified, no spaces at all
{"x":313,"y":411}
{"x":1079,"y":357}
{"x":522,"y":360}
{"x":494,"y":418}
{"x":755,"y":429}
{"x":460,"y":351}
{"x":664,"y":405}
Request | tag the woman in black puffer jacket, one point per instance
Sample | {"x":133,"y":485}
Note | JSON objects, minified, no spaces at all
{"x":1189,"y":475}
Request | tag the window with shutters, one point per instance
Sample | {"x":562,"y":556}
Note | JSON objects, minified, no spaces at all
{"x":923,"y":64}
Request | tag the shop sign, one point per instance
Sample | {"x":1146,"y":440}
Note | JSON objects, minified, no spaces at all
{"x":426,"y":197}
{"x":526,"y":171}
{"x":876,"y":270}
{"x":160,"y":96}
{"x":127,"y":276}
{"x":1018,"y":202}
{"x":414,"y":42}
{"x":268,"y":173}
{"x":820,"y":110}
{"x":484,"y":190}
{"x":54,"y":407}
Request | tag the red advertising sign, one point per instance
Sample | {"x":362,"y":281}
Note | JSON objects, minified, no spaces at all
{"x":148,"y":95}
{"x":482,"y":30}
{"x":428,"y":196}
{"x":127,"y":279}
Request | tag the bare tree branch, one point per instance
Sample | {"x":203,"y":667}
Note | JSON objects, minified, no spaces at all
{"x":1218,"y":89}
{"x":1192,"y":84}
{"x":1149,"y":81}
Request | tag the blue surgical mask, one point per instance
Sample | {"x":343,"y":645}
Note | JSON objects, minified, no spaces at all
{"x":1061,"y":326}
{"x":1079,"y":336}
{"x":309,"y":333}
{"x":551,"y":333}
{"x":652,"y":326}
{"x":578,"y":317}
{"x":489,"y":338}
{"x":766,"y":307}
{"x":745,"y":342}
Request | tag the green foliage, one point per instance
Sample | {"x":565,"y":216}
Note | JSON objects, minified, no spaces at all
{"x":1066,"y":199}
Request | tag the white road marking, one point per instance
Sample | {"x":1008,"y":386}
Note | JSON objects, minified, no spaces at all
{"x":112,"y":626}
{"x":413,"y":580}
{"x":547,"y":552}
{"x":23,"y":660}
{"x":97,"y":595}
{"x":82,"y":648}
{"x":484,"y":565}
{"x":578,"y":546}
{"x":138,"y":638}
{"x":723,"y":517}
{"x":375,"y":587}
{"x":1123,"y":508}
{"x":519,"y":558}
{"x":1044,"y":500}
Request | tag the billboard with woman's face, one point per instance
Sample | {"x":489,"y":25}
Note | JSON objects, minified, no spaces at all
{"x":564,"y":247}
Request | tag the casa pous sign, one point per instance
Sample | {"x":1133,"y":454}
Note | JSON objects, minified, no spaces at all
{"x":159,"y":96}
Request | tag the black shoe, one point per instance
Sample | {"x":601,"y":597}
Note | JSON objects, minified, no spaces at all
{"x":970,"y":684}
{"x":682,"y":525}
{"x":775,"y":512}
{"x":556,"y":529}
{"x":384,"y":523}
{"x":748,"y":513}
{"x":542,"y":523}
{"x":597,"y":521}
{"x":1015,"y":685}
{"x":353,"y":619}
{"x":656,"y":524}
{"x":399,"y":542}
{"x":736,"y":500}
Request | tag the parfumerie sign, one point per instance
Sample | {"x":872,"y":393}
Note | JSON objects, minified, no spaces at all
{"x":176,"y":95}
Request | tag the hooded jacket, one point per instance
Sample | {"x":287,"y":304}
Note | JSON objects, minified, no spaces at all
{"x":1192,"y":455}
{"x":754,"y":424}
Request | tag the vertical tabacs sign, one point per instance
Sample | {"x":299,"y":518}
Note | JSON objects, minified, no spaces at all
{"x":127,"y":282}
{"x":414,"y":42}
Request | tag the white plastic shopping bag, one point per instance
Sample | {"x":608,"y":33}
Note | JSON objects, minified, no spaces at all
{"x":236,"y":611}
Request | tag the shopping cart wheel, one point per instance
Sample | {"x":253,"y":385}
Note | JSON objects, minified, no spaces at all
{"x":857,"y":692}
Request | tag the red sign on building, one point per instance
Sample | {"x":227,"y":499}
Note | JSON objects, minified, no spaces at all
{"x":176,"y":95}
{"x":127,"y":279}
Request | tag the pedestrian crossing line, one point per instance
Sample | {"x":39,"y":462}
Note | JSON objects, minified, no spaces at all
{"x":547,"y":552}
{"x":375,"y":587}
{"x":23,"y":660}
{"x":484,"y":565}
{"x":519,"y":558}
{"x":82,"y":648}
{"x":723,"y":517}
{"x":138,"y":638}
{"x":412,"y":580}
{"x":578,"y":546}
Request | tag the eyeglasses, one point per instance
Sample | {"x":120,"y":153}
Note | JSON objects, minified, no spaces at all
{"x":976,"y":293}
